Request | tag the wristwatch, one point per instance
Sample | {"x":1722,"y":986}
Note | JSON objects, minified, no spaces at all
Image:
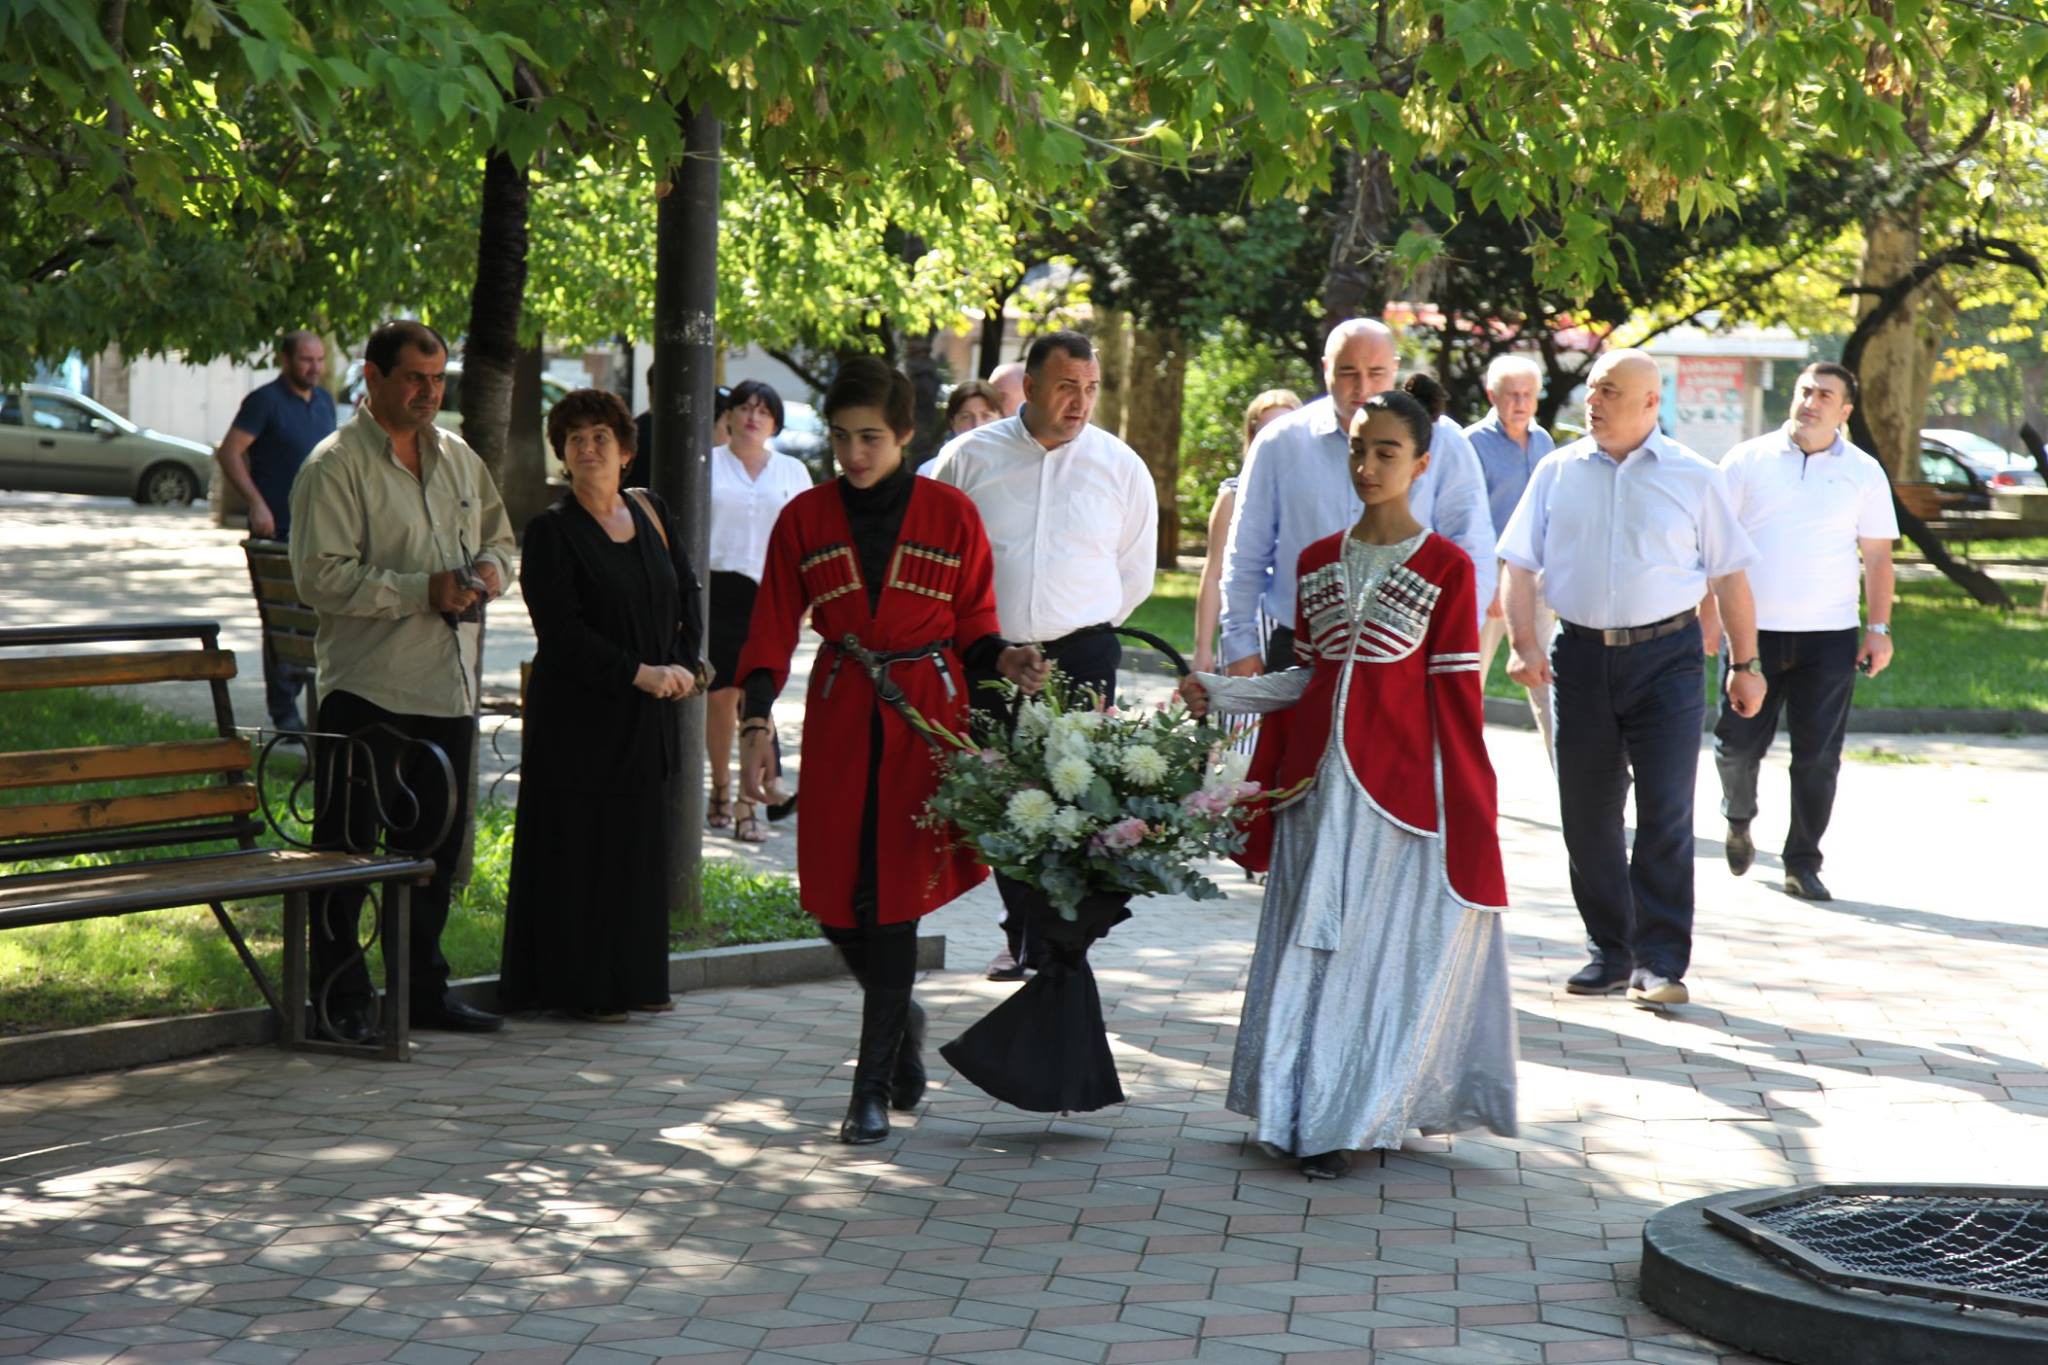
{"x":1878,"y":628}
{"x":1755,"y":666}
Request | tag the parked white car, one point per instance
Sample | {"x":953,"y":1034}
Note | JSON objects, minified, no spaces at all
{"x":56,"y":441}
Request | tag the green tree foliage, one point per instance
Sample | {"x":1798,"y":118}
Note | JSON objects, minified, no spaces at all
{"x":1226,"y":371}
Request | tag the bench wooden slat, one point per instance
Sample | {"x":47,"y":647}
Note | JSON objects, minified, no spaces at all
{"x":124,"y":812}
{"x":284,"y":616}
{"x":88,"y":893}
{"x":294,"y":649}
{"x":280,"y":590}
{"x":119,"y":762}
{"x":115,"y":670}
{"x":271,"y":567}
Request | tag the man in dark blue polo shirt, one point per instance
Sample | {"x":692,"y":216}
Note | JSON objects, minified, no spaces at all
{"x":273,"y":433}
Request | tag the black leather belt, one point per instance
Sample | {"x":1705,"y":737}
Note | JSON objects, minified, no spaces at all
{"x":877,"y":664}
{"x":1075,"y":636}
{"x":1635,"y":635}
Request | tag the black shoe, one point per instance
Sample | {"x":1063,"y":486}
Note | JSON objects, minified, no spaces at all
{"x":906,"y":1087}
{"x":1004,"y":966}
{"x":290,"y":723}
{"x":884,"y":1014}
{"x":351,"y":1022}
{"x":1326,"y":1165}
{"x":453,"y":1016}
{"x":1805,"y":885}
{"x":1597,"y":978}
{"x":1741,"y":850}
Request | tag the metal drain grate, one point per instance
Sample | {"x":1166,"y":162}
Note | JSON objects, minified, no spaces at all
{"x":1985,"y":1246}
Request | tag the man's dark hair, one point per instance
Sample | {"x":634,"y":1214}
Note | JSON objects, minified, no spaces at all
{"x":1073,"y":343}
{"x":288,"y":345}
{"x":393,"y":337}
{"x":1411,"y":412}
{"x":1425,"y":390}
{"x":1830,"y":370}
{"x":592,"y":408}
{"x":868,"y":381}
{"x":746,"y":391}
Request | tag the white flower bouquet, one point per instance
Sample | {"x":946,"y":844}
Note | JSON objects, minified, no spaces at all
{"x":1081,"y":802}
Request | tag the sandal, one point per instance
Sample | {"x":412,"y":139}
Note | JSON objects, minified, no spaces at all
{"x":748,"y":828}
{"x":718,"y":815}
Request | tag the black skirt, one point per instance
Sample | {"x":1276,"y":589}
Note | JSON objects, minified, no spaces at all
{"x":732,"y":609}
{"x":586,"y":914}
{"x":1044,"y":1049}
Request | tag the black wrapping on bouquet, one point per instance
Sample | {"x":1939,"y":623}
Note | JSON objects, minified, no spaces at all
{"x":1044,"y":1048}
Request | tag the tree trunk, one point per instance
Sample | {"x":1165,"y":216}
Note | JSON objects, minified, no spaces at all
{"x":524,"y":482}
{"x":685,"y":328}
{"x":1151,"y":425}
{"x":1890,"y":359}
{"x":1113,"y":354}
{"x":921,"y":364}
{"x":1355,"y":285}
{"x":496,"y":301}
{"x":994,"y":325}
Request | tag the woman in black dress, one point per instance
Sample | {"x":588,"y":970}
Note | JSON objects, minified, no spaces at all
{"x":617,"y":614}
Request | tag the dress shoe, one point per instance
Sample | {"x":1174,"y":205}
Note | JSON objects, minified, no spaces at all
{"x":351,"y":1022}
{"x":1596,"y":978}
{"x":1326,"y":1165}
{"x":1005,"y":967}
{"x":1739,"y":847}
{"x":453,"y":1016}
{"x":1648,"y":988}
{"x":1805,"y":885}
{"x":603,"y":1016}
{"x":663,"y":1007}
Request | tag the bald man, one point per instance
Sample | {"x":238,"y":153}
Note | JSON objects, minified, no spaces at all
{"x":1009,"y":382}
{"x":1623,"y":532}
{"x":1296,"y":489}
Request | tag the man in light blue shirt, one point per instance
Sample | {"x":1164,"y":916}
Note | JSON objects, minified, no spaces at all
{"x":1296,"y":489}
{"x":1510,"y":445}
{"x":1624,"y":531}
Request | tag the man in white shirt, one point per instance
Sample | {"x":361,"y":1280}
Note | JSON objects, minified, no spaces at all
{"x":1073,"y":522}
{"x":1510,"y":443}
{"x":1296,"y":489}
{"x":1623,"y":532}
{"x":1811,"y":501}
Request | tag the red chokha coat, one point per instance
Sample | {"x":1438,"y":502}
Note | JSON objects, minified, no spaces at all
{"x":940,"y":587}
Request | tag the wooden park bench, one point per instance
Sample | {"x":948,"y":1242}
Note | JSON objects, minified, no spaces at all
{"x":288,"y":623}
{"x":168,"y":837}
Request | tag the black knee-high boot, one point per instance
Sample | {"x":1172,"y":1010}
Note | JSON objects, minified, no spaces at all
{"x":889,"y":1067}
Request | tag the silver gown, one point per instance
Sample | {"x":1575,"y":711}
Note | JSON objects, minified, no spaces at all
{"x":1377,"y":1004}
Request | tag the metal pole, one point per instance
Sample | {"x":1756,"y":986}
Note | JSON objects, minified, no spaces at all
{"x":685,"y":318}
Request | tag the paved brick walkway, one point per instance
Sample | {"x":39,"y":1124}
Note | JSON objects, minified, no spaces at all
{"x":669,"y":1189}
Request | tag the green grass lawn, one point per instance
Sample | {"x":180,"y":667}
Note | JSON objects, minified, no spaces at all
{"x":178,"y":961}
{"x":1952,"y":653}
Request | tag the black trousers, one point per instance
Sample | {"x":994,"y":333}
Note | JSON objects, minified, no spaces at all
{"x":1622,"y":709}
{"x":1089,"y":658}
{"x":1280,"y":650}
{"x":346,"y":817}
{"x":1810,"y":676}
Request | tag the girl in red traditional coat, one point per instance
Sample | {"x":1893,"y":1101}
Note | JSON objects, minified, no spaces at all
{"x":1378,"y":1000}
{"x":896,"y":573}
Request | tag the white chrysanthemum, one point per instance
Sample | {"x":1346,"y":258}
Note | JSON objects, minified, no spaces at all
{"x":1031,"y":812}
{"x":1234,"y":766}
{"x":1070,"y":825}
{"x":1033,"y":719}
{"x":1144,"y":765}
{"x":1070,"y":776}
{"x":1087,"y":722}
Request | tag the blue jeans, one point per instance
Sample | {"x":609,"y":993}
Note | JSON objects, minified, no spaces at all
{"x":1811,"y":675}
{"x":1621,"y":710}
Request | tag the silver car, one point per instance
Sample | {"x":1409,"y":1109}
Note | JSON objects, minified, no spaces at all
{"x":57,"y":441}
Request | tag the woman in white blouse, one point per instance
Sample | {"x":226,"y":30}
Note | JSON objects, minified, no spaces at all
{"x":749,"y":485}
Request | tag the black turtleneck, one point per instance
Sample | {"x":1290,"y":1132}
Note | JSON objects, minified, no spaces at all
{"x":875,"y":516}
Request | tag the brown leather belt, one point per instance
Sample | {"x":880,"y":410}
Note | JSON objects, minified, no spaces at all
{"x":1635,"y":635}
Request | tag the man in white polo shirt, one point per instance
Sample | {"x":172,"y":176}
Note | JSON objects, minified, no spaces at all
{"x":1073,"y":521}
{"x":1811,"y":501}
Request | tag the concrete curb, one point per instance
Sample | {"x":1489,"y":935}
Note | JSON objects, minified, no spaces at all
{"x":1513,"y":713}
{"x":144,"y":1042}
